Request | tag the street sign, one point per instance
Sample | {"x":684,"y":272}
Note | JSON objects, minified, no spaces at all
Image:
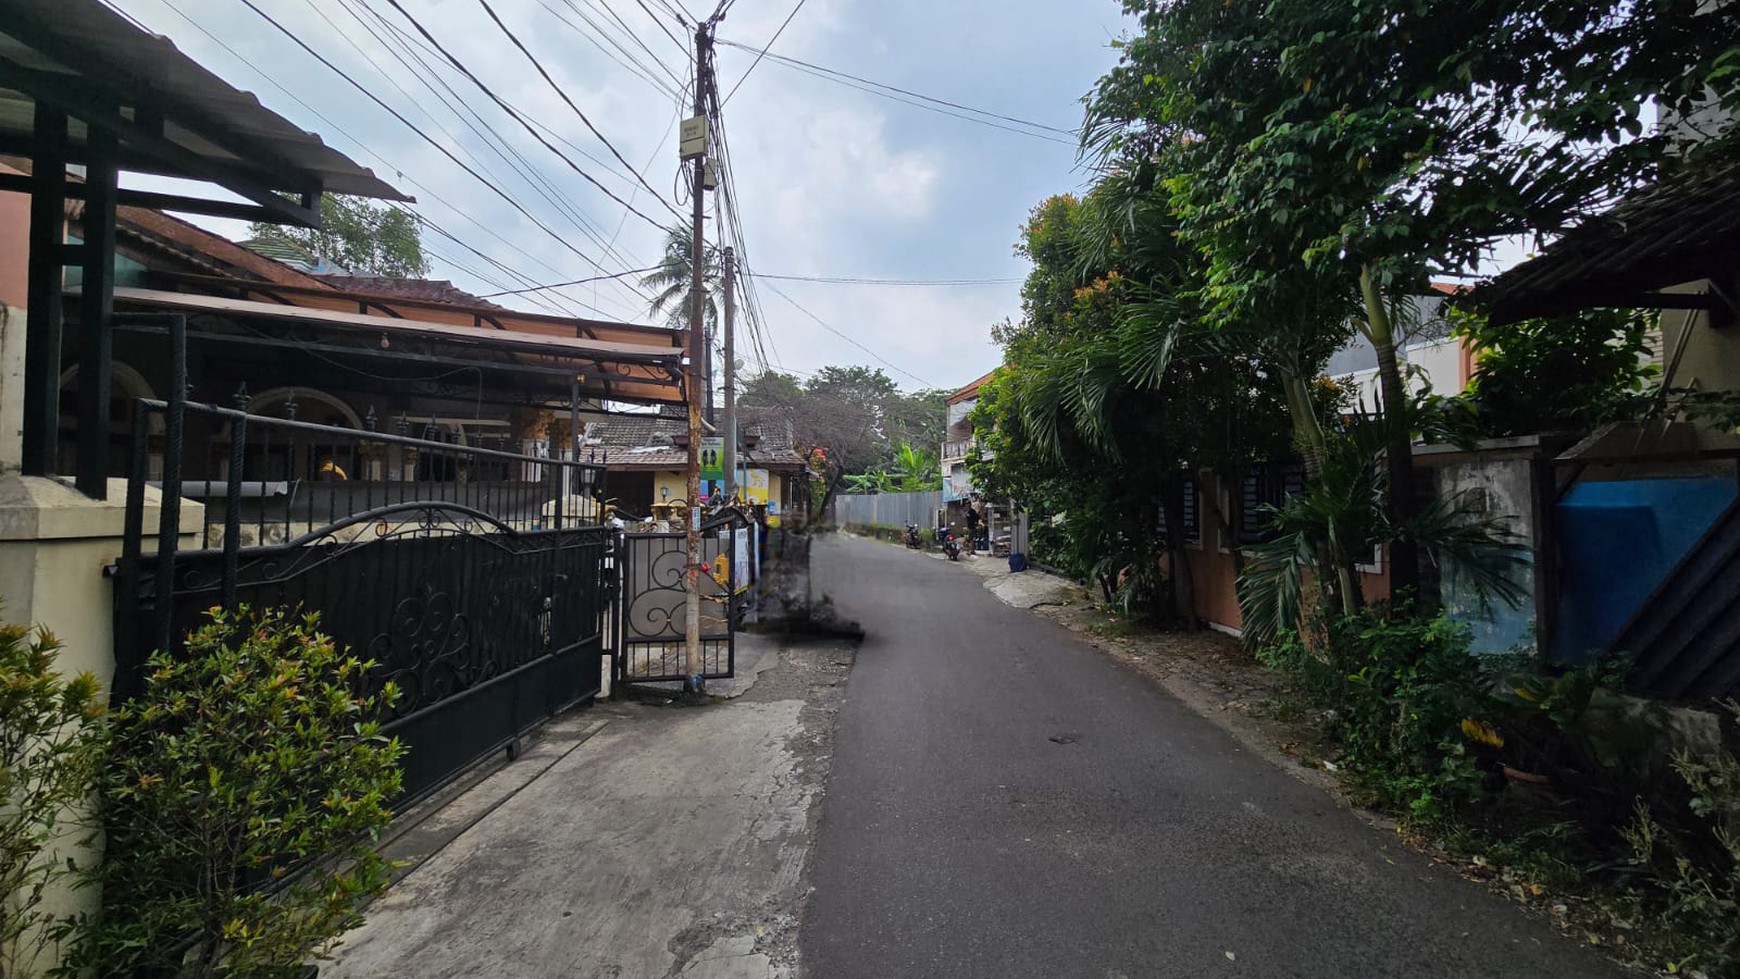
{"x":712,"y":457}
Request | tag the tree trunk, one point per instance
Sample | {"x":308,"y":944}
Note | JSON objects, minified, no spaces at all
{"x":1404,"y":556}
{"x":1307,"y":431}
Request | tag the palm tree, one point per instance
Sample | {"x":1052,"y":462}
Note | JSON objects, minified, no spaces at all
{"x":673,"y":278}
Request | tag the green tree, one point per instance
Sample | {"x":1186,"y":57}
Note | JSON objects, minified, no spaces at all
{"x":674,"y":280}
{"x":1113,"y":392}
{"x":1326,"y":156}
{"x":357,"y":234}
{"x":917,"y":467}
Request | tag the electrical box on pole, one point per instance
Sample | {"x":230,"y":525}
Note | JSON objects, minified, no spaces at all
{"x":692,"y":138}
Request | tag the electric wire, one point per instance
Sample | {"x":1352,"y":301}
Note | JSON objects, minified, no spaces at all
{"x":918,"y":100}
{"x":511,"y":111}
{"x":363,"y":147}
{"x":857,"y":281}
{"x":559,"y":90}
{"x":611,"y":13}
{"x":523,"y":167}
{"x":826,"y":326}
{"x":599,"y":38}
{"x":762,"y":53}
{"x":516,"y":205}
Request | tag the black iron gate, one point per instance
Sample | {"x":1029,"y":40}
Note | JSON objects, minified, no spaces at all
{"x":484,"y":599}
{"x":649,"y":633}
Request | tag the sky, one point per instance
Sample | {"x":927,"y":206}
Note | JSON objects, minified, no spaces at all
{"x":831,"y":181}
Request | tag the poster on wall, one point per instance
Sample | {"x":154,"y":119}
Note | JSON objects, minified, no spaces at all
{"x":740,"y":563}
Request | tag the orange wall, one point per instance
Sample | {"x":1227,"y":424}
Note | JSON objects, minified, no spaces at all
{"x":1215,"y":581}
{"x":14,"y":246}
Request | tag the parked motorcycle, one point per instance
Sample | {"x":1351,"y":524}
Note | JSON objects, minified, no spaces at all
{"x":951,"y":546}
{"x":912,"y":539}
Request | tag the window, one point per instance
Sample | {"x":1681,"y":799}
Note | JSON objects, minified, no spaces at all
{"x":1190,"y":514}
{"x":1268,"y":485}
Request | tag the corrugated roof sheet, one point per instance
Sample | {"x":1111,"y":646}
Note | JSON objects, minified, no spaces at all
{"x":1684,"y":228}
{"x":425,"y":290}
{"x":85,"y":47}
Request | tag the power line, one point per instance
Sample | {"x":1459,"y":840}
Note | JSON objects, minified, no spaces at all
{"x":826,"y":326}
{"x":516,"y":205}
{"x":856,"y":281}
{"x":633,"y":65}
{"x":930,"y":103}
{"x":365,"y":148}
{"x":657,"y":23}
{"x":574,"y":282}
{"x":613,"y":15}
{"x":511,"y":111}
{"x":569,"y":102}
{"x":455,"y":103}
{"x":760,"y":54}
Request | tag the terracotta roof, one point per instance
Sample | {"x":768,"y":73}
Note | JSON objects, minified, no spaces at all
{"x":424,"y":290}
{"x":971,"y":389}
{"x":1684,"y":228}
{"x":637,"y":441}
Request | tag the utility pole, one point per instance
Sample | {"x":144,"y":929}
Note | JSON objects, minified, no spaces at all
{"x":697,"y":376}
{"x":730,"y":272}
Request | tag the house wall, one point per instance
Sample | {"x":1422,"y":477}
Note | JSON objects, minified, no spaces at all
{"x":1710,"y":360}
{"x":14,"y":245}
{"x":1214,"y":572}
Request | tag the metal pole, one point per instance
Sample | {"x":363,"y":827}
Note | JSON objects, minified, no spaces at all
{"x":730,"y":271}
{"x":45,"y":275}
{"x":692,"y":661}
{"x":96,"y":306}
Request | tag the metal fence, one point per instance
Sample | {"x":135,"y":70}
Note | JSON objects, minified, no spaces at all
{"x":475,"y":579}
{"x":894,"y":510}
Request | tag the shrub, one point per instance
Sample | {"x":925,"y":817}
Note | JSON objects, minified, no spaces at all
{"x":247,"y":785}
{"x":1694,"y":868}
{"x":51,"y":746}
{"x":1396,"y":688}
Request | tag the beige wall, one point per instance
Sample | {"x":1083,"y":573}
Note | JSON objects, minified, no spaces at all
{"x":14,"y":245}
{"x":1711,"y":358}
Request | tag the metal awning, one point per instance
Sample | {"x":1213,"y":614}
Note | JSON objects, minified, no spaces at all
{"x":82,"y":84}
{"x":643,"y":372}
{"x":168,"y":114}
{"x":1683,"y":229}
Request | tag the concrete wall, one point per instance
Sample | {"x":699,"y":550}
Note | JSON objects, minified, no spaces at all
{"x":14,"y":246}
{"x":1497,"y":486}
{"x":1710,"y":358}
{"x":54,"y":546}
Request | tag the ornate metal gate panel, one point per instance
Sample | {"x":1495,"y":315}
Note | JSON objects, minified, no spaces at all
{"x":486,"y":607}
{"x":650,"y":641}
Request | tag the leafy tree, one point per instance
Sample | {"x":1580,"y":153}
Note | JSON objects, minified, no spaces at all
{"x":1326,"y":156}
{"x":1112,"y":391}
{"x":358,"y":234}
{"x":1566,"y":374}
{"x":674,"y":278}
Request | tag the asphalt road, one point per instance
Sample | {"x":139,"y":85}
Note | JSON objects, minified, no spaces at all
{"x":1007,"y":803}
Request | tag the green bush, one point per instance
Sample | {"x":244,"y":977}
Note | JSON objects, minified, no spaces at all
{"x":1396,"y":688}
{"x":246,"y":788}
{"x":52,"y":736}
{"x":1693,"y":868}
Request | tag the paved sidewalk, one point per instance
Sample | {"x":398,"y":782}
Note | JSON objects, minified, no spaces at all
{"x":672,"y":842}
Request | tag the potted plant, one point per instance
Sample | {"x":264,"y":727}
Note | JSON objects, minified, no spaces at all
{"x":247,"y":787}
